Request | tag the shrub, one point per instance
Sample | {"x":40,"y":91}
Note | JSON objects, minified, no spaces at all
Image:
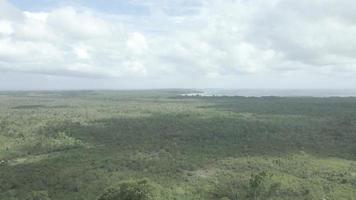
{"x":132,"y":190}
{"x":38,"y":195}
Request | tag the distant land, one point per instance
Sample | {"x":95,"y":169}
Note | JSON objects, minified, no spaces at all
{"x":276,"y":92}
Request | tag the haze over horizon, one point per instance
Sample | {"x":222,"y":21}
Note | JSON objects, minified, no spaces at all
{"x":151,"y":44}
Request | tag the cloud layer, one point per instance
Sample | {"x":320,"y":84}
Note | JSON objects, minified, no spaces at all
{"x":206,"y":39}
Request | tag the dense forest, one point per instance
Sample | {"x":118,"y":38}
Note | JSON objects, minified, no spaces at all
{"x":160,"y":145}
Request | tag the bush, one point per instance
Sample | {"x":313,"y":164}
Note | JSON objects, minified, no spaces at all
{"x":132,"y":190}
{"x":38,"y":195}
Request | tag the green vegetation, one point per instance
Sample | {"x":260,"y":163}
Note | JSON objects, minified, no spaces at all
{"x":132,"y":145}
{"x":132,"y":190}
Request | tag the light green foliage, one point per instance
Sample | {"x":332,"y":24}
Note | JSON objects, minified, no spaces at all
{"x":256,"y":187}
{"x":75,"y":145}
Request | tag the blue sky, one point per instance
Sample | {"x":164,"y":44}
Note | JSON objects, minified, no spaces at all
{"x":120,"y":44}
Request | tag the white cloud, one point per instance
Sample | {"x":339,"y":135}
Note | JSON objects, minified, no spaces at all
{"x":137,"y":43}
{"x":197,"y":38}
{"x":68,"y":22}
{"x":6,"y":27}
{"x":82,"y":52}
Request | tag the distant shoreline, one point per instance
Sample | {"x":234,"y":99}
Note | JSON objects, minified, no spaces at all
{"x":275,"y":93}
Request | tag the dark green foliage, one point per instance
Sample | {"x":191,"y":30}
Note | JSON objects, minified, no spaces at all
{"x":74,"y":145}
{"x":132,"y":190}
{"x":38,"y":195}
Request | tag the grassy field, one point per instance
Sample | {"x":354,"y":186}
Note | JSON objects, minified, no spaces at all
{"x":75,"y":145}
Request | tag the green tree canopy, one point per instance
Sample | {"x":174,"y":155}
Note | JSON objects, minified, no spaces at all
{"x":38,"y":195}
{"x":132,"y":190}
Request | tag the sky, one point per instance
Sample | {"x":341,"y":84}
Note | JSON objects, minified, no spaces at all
{"x":148,"y":44}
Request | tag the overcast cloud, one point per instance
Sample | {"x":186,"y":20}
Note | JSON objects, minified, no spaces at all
{"x":182,"y":43}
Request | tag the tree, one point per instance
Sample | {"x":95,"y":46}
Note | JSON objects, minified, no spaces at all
{"x":132,"y":190}
{"x":38,"y":195}
{"x":256,"y":187}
